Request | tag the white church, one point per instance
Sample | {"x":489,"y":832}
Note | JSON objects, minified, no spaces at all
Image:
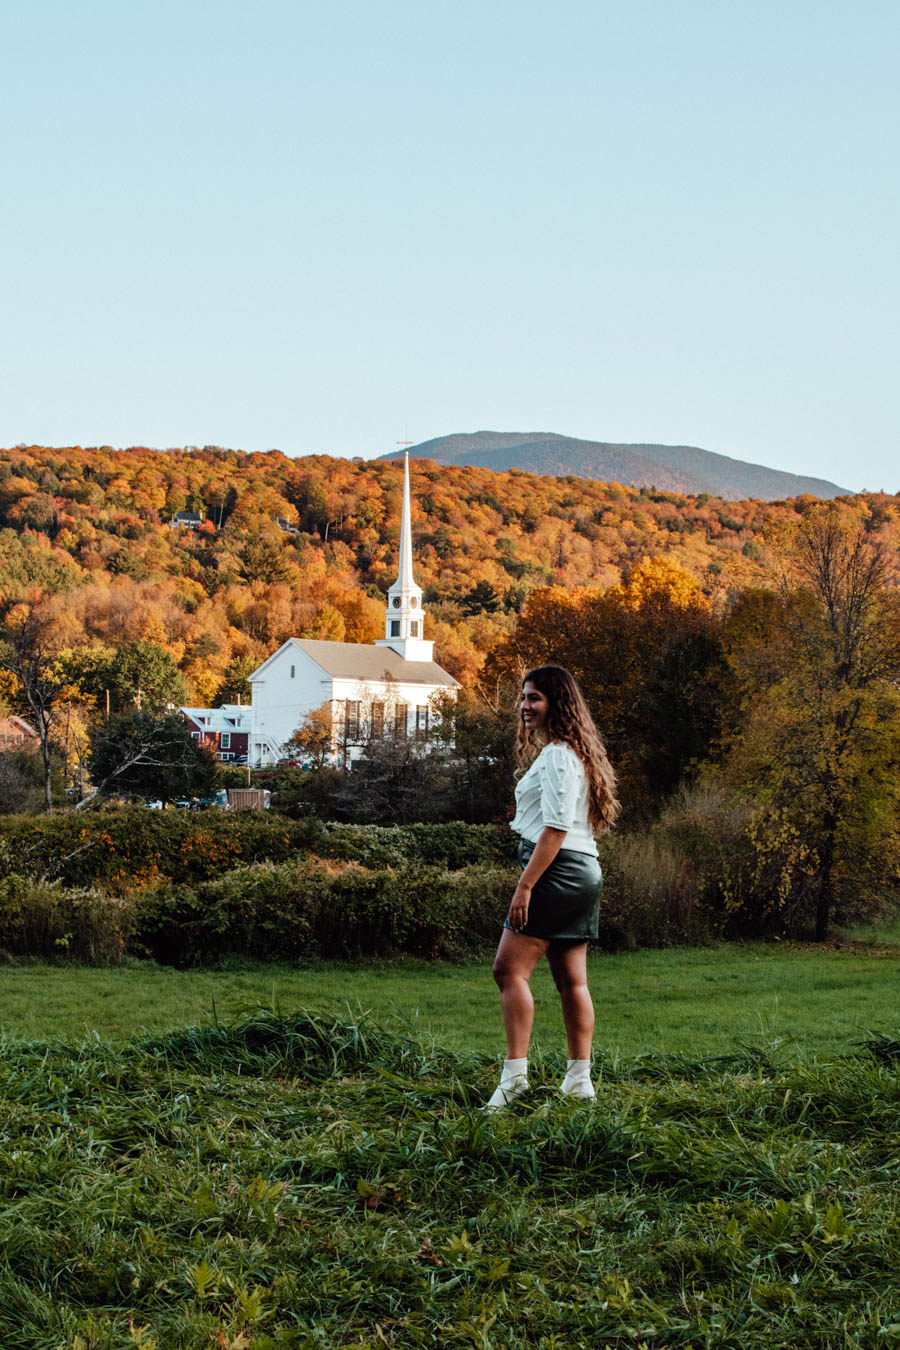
{"x":385,"y":687}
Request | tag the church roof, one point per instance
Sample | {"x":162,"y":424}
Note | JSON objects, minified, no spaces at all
{"x":365,"y":661}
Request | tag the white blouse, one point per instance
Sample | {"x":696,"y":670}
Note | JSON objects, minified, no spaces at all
{"x":554,"y":791}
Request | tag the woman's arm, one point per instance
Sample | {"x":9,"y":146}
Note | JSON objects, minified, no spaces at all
{"x":549,"y":842}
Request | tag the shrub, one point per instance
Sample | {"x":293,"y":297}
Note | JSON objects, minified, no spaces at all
{"x":133,"y":847}
{"x":21,"y":781}
{"x":451,"y":844}
{"x":315,"y":908}
{"x":47,"y":920}
{"x":649,"y":893}
{"x":752,"y":874}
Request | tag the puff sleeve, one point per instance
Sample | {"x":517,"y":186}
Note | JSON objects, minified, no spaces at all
{"x":562,"y":783}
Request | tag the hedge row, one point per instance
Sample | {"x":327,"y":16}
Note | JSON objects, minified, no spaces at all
{"x":118,"y":850}
{"x":311,"y":909}
{"x":200,"y":887}
{"x":267,"y":911}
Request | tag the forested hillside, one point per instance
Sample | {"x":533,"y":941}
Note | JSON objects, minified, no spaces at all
{"x":220,"y":598}
{"x":743,"y":658}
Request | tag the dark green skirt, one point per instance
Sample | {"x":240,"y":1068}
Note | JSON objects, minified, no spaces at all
{"x":565,"y":900}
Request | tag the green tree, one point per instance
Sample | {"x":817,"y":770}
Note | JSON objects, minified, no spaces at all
{"x":21,"y":782}
{"x":818,"y":661}
{"x":151,"y":756}
{"x":481,"y":598}
{"x":396,"y":780}
{"x":263,"y":560}
{"x":478,"y":740}
{"x":235,"y":687}
{"x":138,"y":673}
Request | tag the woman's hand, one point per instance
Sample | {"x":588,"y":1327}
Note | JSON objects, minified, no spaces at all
{"x":549,"y":842}
{"x":518,"y":907}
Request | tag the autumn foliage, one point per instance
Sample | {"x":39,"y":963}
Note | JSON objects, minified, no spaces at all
{"x":307,"y":547}
{"x":706,"y":634}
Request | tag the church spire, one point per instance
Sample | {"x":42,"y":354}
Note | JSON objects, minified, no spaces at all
{"x":404,"y":622}
{"x":404,"y":571}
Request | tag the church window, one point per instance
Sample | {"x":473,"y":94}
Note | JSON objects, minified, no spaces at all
{"x":414,"y":628}
{"x":351,"y":719}
{"x":413,"y":602}
{"x":293,"y":670}
{"x":395,"y":627}
{"x":396,"y":602}
{"x":377,"y":719}
{"x":400,"y":720}
{"x":421,"y":721}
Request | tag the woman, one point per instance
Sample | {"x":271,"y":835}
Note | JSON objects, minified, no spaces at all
{"x":563,"y":799}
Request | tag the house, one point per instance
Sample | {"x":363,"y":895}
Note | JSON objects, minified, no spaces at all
{"x":186,"y":520}
{"x":16,"y":734}
{"x":225,"y":731}
{"x":372,"y":689}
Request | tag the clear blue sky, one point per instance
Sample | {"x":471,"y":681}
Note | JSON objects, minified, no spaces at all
{"x":329,"y":225}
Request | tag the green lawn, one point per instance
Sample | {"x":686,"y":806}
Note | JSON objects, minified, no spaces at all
{"x":698,"y":1001}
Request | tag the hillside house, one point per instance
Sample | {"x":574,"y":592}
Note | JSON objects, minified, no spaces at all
{"x":186,"y":520}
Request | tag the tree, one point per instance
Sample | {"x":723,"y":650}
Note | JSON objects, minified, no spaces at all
{"x":234,"y":687}
{"x":478,"y":740}
{"x":648,"y":657}
{"x":151,"y":756}
{"x":264,"y":560}
{"x":29,"y":651}
{"x":395,"y":781}
{"x":135,"y":674}
{"x":482,"y":598}
{"x":818,"y":660}
{"x":316,"y":738}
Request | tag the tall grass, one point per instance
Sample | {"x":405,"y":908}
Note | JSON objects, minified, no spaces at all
{"x":297,"y":1181}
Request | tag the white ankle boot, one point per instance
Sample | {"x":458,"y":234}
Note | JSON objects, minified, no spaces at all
{"x":577,"y":1082}
{"x":513,"y":1083}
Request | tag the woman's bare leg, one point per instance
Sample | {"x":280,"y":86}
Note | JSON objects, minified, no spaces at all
{"x":516,"y":959}
{"x":569,"y":967}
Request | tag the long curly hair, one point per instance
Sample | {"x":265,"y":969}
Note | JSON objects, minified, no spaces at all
{"x":569,"y":720}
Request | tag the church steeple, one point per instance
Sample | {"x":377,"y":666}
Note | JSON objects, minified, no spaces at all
{"x":404,"y":622}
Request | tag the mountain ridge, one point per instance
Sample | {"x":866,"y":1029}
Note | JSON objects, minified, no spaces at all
{"x":686,"y":469}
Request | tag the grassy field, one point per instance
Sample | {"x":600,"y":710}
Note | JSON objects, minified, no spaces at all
{"x":304,"y":1182}
{"x":695,"y":1001}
